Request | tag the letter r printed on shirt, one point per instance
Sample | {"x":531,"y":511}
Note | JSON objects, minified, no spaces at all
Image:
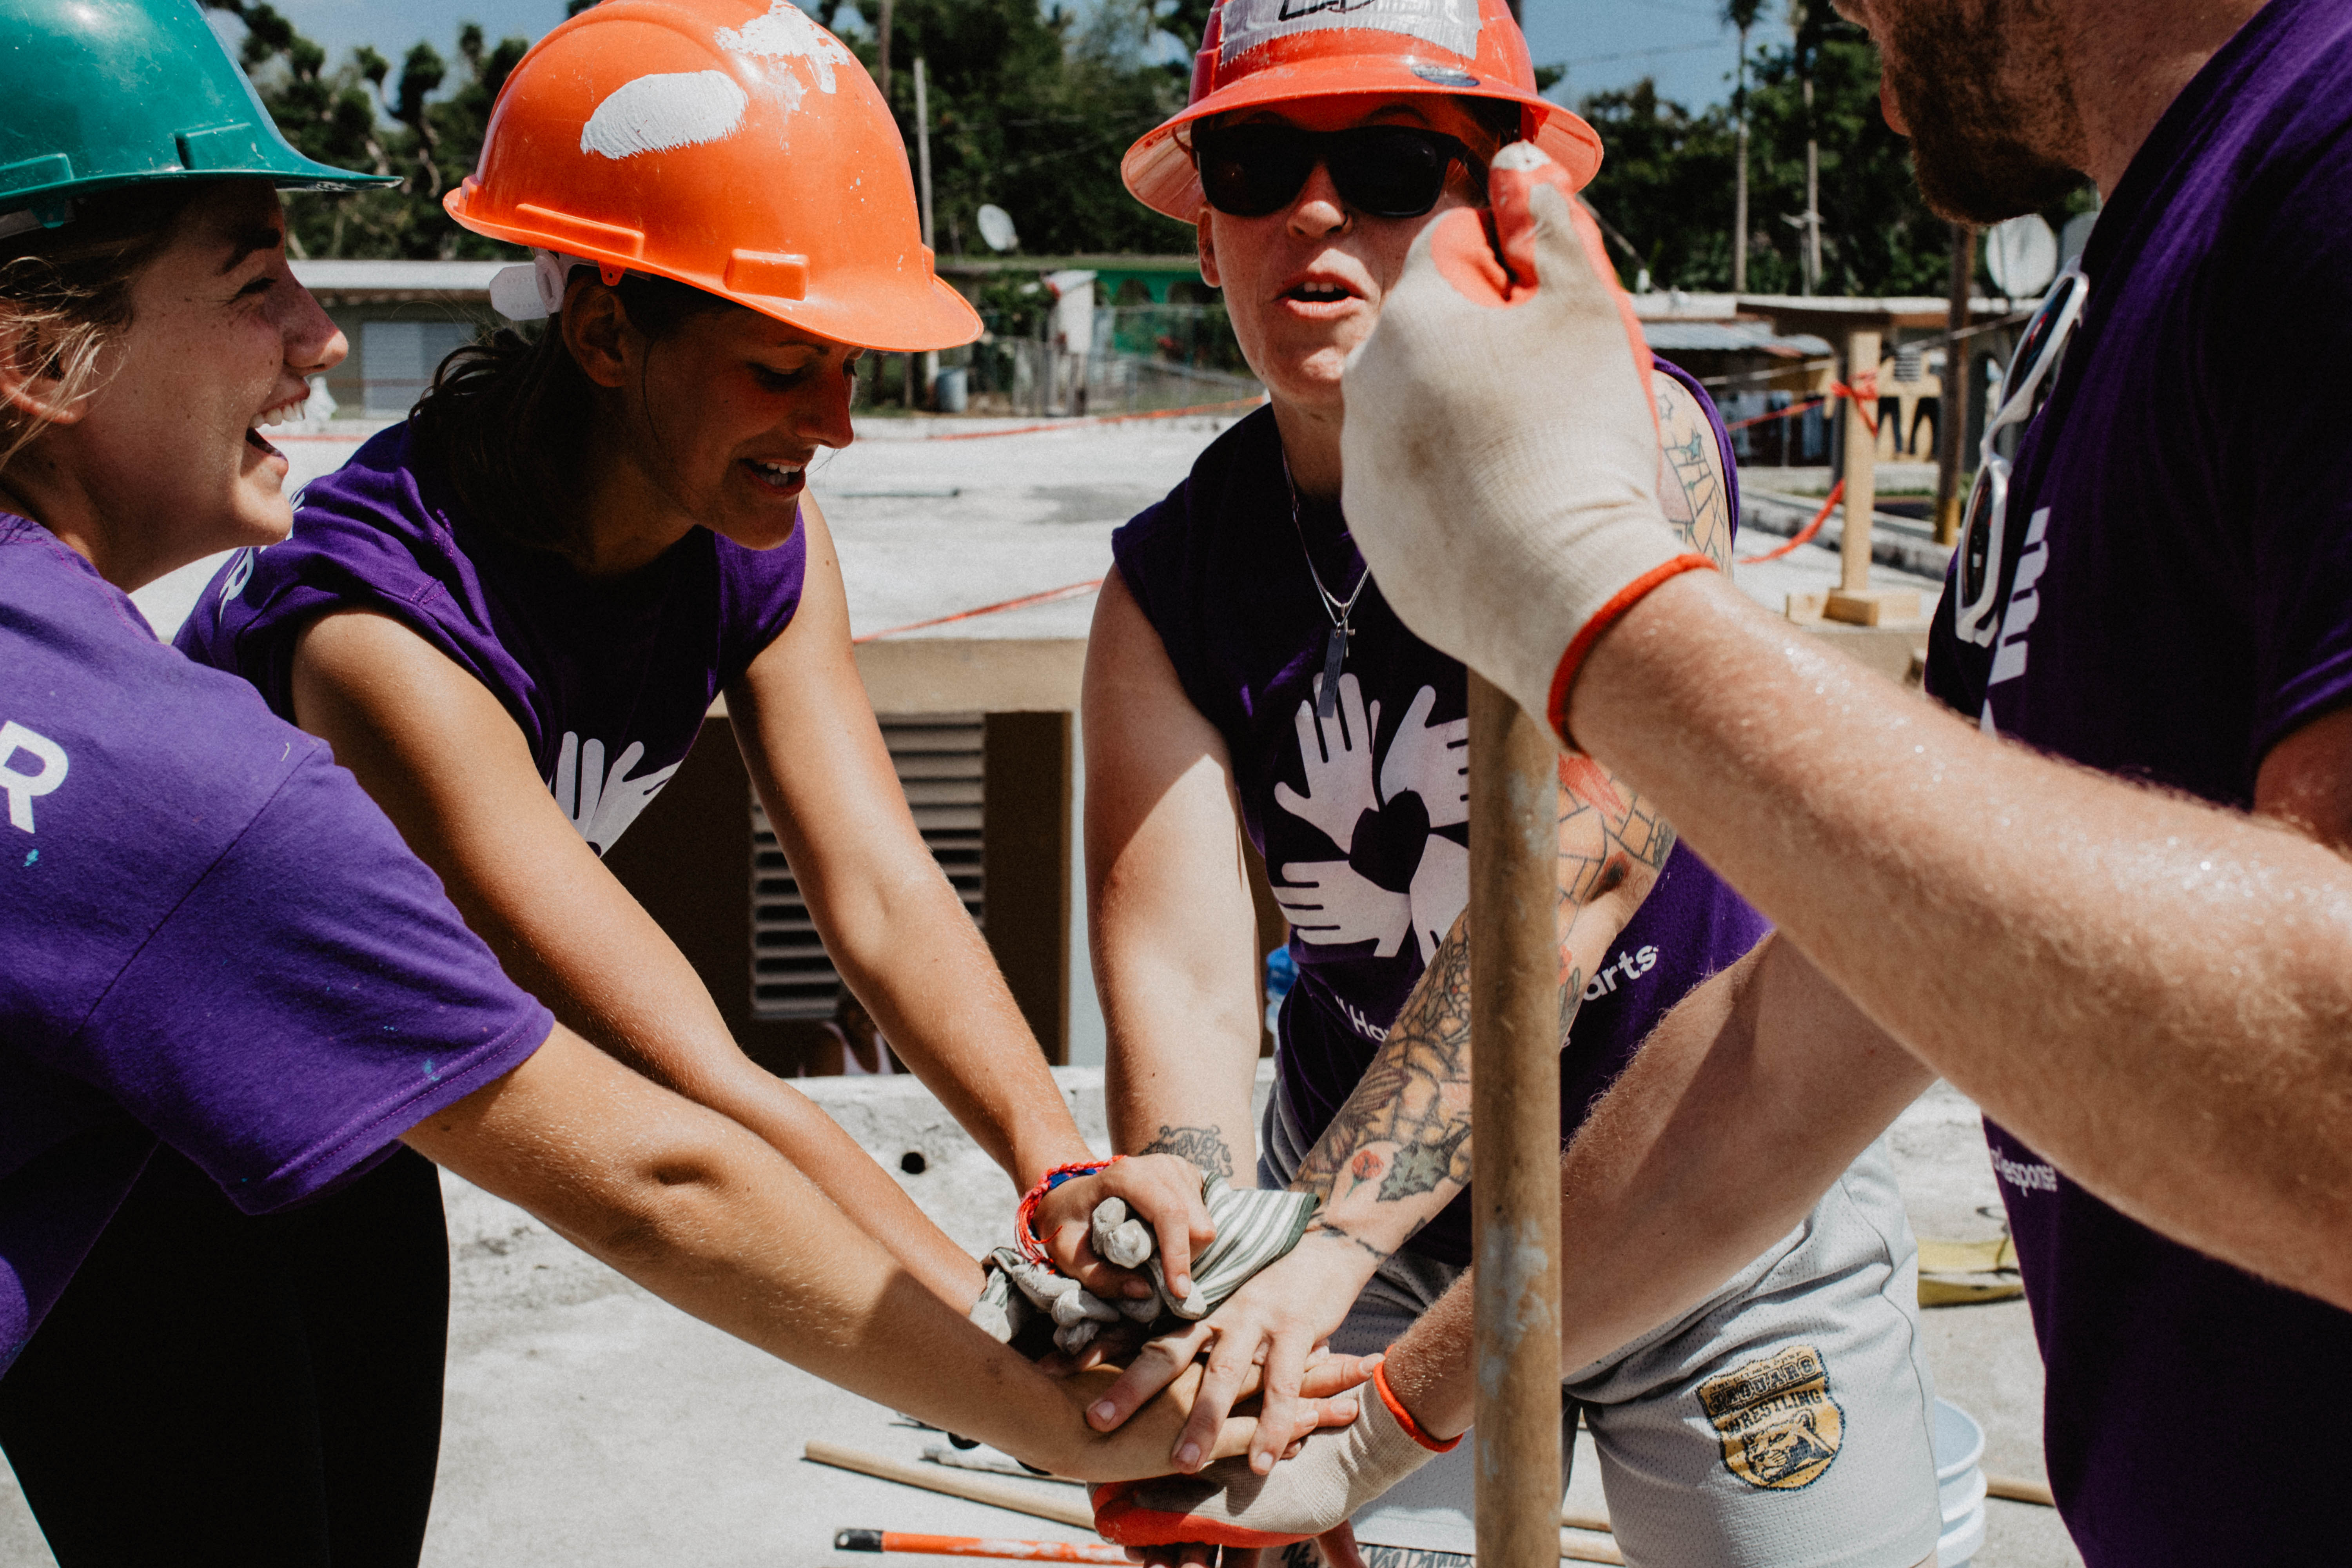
{"x":25,"y":788}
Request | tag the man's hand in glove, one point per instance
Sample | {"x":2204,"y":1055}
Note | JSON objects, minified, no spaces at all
{"x":1501,"y":446}
{"x":1162,"y":1190}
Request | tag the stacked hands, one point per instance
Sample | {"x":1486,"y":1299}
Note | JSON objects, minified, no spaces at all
{"x":1161,"y":1248}
{"x":1536,"y":467}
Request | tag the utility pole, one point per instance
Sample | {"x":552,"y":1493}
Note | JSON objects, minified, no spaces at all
{"x":923,"y":147}
{"x":882,"y":54}
{"x":923,"y":166}
{"x":1812,"y":268}
{"x":1742,"y":14}
{"x":1952,"y":403}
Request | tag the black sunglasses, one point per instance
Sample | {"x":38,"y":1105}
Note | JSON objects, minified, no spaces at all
{"x":1383,"y":170}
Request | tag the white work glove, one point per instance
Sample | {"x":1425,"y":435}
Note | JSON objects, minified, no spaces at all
{"x":1500,"y":452}
{"x":1229,"y":1504}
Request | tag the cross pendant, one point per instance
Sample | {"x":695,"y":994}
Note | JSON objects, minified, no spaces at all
{"x":1335,"y":654}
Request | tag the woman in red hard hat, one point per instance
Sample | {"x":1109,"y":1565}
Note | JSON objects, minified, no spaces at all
{"x":239,"y":1014}
{"x":1245,"y":677}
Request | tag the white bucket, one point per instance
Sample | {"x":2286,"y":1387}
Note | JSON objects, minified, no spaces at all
{"x":1959,"y":1445}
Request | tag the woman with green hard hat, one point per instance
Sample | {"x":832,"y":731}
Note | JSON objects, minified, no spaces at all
{"x":235,"y":1001}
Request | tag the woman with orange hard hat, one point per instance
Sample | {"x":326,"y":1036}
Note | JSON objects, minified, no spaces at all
{"x":240,"y":1015}
{"x":509,"y":614}
{"x":1245,"y":677}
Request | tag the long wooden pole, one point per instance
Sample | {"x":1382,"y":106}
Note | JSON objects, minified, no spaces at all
{"x":1514,"y":1109}
{"x":1952,"y":403}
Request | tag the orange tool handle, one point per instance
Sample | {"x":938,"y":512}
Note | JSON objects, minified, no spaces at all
{"x":979,"y":1546}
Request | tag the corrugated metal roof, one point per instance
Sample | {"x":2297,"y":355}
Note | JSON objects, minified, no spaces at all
{"x":446,"y":278}
{"x":1731,"y":337}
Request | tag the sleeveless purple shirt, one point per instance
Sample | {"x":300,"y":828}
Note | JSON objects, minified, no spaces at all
{"x":608,"y":678}
{"x":1362,"y":817}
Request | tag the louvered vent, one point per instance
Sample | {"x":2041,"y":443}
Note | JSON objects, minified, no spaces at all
{"x":1909,"y":361}
{"x":942,"y":766}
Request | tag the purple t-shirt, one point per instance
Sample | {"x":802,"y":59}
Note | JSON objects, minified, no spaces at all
{"x":608,"y":678}
{"x":2177,"y":585}
{"x":1362,"y":817}
{"x":214,"y":939}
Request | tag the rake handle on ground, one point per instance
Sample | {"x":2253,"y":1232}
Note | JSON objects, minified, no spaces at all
{"x":971,"y":1489}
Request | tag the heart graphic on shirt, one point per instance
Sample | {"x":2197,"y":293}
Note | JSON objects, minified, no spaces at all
{"x":1388,"y":842}
{"x":1399,"y":877}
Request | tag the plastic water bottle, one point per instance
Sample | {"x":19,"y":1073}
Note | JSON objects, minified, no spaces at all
{"x":1281,"y":974}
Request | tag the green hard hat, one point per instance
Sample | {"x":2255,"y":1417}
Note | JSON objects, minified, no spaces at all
{"x":96,"y":94}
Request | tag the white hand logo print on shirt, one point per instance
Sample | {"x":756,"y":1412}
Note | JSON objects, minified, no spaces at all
{"x":1399,"y":877}
{"x":601,"y":805}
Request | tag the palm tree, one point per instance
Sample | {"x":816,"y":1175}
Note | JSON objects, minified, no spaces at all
{"x":1742,"y":14}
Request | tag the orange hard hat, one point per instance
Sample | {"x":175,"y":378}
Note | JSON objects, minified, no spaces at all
{"x":1256,"y":52}
{"x":733,"y":145}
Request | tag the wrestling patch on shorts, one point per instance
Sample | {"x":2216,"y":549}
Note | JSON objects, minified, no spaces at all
{"x":1781,"y":1429}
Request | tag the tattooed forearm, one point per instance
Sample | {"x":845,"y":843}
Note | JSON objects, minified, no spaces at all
{"x":1406,"y":1128}
{"x":1691,"y":487}
{"x":1204,"y":1146}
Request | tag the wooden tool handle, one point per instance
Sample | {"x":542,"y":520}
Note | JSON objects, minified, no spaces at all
{"x":1514,"y":1109}
{"x":971,"y":1489}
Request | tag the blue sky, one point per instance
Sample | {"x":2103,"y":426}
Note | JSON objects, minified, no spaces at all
{"x":1605,"y":43}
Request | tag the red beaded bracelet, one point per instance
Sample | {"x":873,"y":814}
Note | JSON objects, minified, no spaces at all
{"x":1023,"y":1231}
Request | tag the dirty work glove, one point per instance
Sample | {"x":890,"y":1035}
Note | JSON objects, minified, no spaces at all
{"x":1501,"y":448}
{"x":1015,"y":1287}
{"x":1255,"y":1226}
{"x":1335,"y":1474}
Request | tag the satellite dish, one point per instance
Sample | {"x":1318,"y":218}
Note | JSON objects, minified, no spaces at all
{"x":2075,"y":236}
{"x":996,"y":229}
{"x":2022,"y":256}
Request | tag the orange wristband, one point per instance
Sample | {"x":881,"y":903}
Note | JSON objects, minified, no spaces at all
{"x":1405,"y":1417}
{"x":1625,"y":598}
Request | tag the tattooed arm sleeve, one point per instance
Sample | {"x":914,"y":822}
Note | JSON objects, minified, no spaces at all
{"x":1400,"y":1149}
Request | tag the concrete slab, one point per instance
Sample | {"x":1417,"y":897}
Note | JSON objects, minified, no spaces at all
{"x":590,"y":1425}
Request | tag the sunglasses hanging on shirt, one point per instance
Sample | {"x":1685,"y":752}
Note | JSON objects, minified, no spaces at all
{"x":1259,"y":167}
{"x":1977,"y":613}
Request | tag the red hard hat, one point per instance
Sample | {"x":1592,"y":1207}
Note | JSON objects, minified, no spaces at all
{"x":1258,"y":52}
{"x":733,"y":145}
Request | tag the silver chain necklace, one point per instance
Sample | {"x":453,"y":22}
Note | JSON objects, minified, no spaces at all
{"x":1335,"y":649}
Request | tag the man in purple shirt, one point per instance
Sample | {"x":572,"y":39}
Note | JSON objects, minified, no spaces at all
{"x":2096,"y":934}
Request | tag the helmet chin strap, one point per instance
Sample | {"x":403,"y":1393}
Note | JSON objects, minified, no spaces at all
{"x":533,"y":291}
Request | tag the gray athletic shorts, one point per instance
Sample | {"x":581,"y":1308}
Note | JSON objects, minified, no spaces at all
{"x":1784,"y":1422}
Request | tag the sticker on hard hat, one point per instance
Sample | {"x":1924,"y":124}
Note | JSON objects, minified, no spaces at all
{"x":1450,"y":25}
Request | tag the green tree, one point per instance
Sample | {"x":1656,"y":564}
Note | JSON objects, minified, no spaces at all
{"x":1664,"y":180}
{"x":358,"y":116}
{"x":1032,"y":112}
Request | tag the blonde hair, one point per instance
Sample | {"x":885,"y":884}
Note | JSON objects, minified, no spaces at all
{"x":65,"y":292}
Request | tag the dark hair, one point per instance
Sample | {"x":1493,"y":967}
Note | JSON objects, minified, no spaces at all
{"x":507,"y":419}
{"x":65,"y":292}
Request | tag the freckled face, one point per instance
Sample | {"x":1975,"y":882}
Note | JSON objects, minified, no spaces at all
{"x":1304,"y":285}
{"x":736,"y":405}
{"x":221,"y":340}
